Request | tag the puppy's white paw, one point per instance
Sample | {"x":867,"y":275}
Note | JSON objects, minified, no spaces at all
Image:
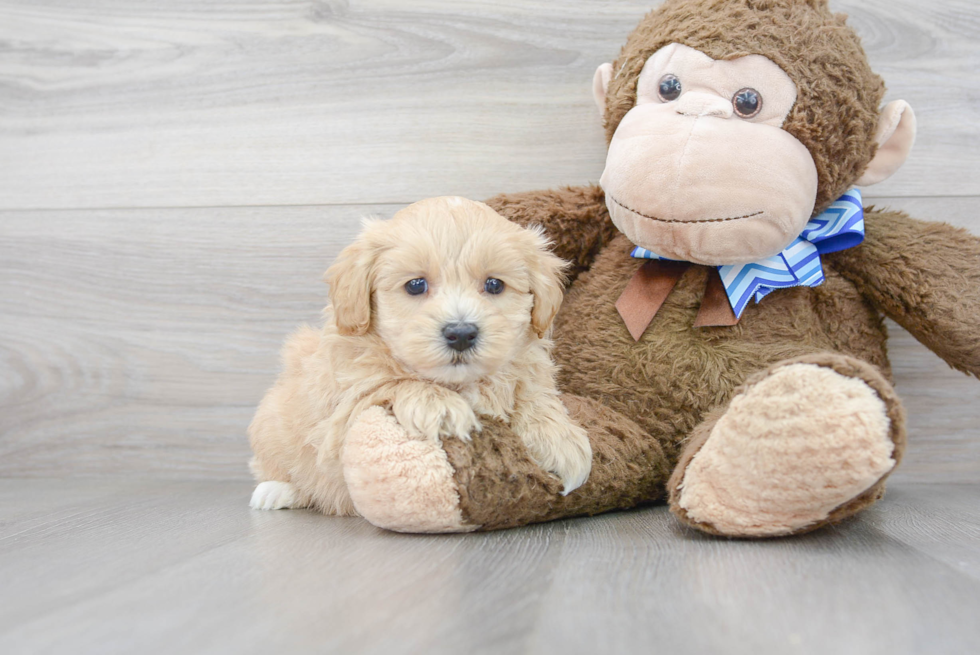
{"x":437,"y":413}
{"x":566,"y":452}
{"x":575,"y":463}
{"x":459,"y":420}
{"x":274,"y":495}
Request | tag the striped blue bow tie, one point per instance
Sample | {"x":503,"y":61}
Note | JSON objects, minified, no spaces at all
{"x":840,"y":227}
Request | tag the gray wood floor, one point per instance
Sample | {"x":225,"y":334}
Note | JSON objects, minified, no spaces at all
{"x":180,"y":567}
{"x":174,"y":178}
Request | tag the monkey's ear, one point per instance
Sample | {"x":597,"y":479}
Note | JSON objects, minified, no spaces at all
{"x":895,"y":136}
{"x":600,"y":83}
{"x":350,"y":279}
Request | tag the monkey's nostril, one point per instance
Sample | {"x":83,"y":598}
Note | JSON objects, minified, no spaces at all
{"x":460,"y":336}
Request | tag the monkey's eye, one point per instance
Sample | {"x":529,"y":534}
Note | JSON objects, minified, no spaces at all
{"x":493,"y":285}
{"x":669,"y":88}
{"x":747,"y":103}
{"x":416,"y":287}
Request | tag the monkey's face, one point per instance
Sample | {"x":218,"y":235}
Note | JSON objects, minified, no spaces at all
{"x":700,"y":168}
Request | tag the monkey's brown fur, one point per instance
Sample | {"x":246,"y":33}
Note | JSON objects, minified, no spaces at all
{"x":648,"y":406}
{"x":838,"y":95}
{"x":926,"y":276}
{"x":652,"y":406}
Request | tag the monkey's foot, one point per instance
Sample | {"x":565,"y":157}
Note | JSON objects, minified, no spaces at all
{"x":807,"y":443}
{"x":398,"y":482}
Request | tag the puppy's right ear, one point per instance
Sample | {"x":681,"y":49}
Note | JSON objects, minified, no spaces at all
{"x":547,"y":280}
{"x":351,"y":278}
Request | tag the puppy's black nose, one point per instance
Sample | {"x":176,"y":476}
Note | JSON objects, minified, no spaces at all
{"x":460,"y":336}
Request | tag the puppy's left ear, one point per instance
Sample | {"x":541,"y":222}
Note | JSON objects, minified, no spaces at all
{"x":547,"y":272}
{"x":351,"y":278}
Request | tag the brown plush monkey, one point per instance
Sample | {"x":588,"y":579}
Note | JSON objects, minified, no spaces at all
{"x":760,"y":410}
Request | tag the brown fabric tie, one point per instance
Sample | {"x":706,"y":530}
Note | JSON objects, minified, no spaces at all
{"x":652,"y":283}
{"x":646,"y":292}
{"x":716,"y":310}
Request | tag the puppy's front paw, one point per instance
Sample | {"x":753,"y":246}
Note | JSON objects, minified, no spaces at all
{"x":459,"y":419}
{"x":563,"y":450}
{"x":436,"y":413}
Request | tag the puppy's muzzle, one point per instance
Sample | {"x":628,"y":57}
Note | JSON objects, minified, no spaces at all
{"x":460,"y":336}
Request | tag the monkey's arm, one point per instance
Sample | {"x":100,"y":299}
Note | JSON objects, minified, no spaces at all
{"x":574,"y":218}
{"x":925,"y":276}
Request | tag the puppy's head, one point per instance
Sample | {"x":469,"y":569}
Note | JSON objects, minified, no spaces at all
{"x":453,"y":289}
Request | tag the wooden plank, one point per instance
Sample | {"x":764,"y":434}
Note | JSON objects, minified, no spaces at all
{"x":114,"y":103}
{"x":158,"y":567}
{"x":938,"y":519}
{"x":138,"y":342}
{"x":141,"y":341}
{"x":851,"y":589}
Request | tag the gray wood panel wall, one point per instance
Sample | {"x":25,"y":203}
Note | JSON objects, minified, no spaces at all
{"x":174,"y":178}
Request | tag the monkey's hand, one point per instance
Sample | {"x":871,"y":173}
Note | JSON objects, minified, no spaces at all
{"x":575,"y":219}
{"x":926,"y":277}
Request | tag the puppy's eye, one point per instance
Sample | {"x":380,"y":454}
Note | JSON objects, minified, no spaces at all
{"x":416,"y":287}
{"x":493,"y":285}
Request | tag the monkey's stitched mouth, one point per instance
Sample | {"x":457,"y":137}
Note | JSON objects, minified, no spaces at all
{"x":674,"y":220}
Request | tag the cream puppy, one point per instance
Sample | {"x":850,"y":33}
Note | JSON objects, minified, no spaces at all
{"x":440,"y":315}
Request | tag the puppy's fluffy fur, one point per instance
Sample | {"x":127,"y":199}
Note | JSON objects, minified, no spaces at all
{"x":383,"y":346}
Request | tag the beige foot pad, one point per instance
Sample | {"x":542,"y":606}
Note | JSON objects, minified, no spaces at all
{"x":787,"y":452}
{"x":397,"y":482}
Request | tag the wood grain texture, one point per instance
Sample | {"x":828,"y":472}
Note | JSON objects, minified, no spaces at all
{"x":138,"y":342}
{"x":135,"y":342}
{"x":158,"y":567}
{"x":142,"y":340}
{"x":117,"y":103}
